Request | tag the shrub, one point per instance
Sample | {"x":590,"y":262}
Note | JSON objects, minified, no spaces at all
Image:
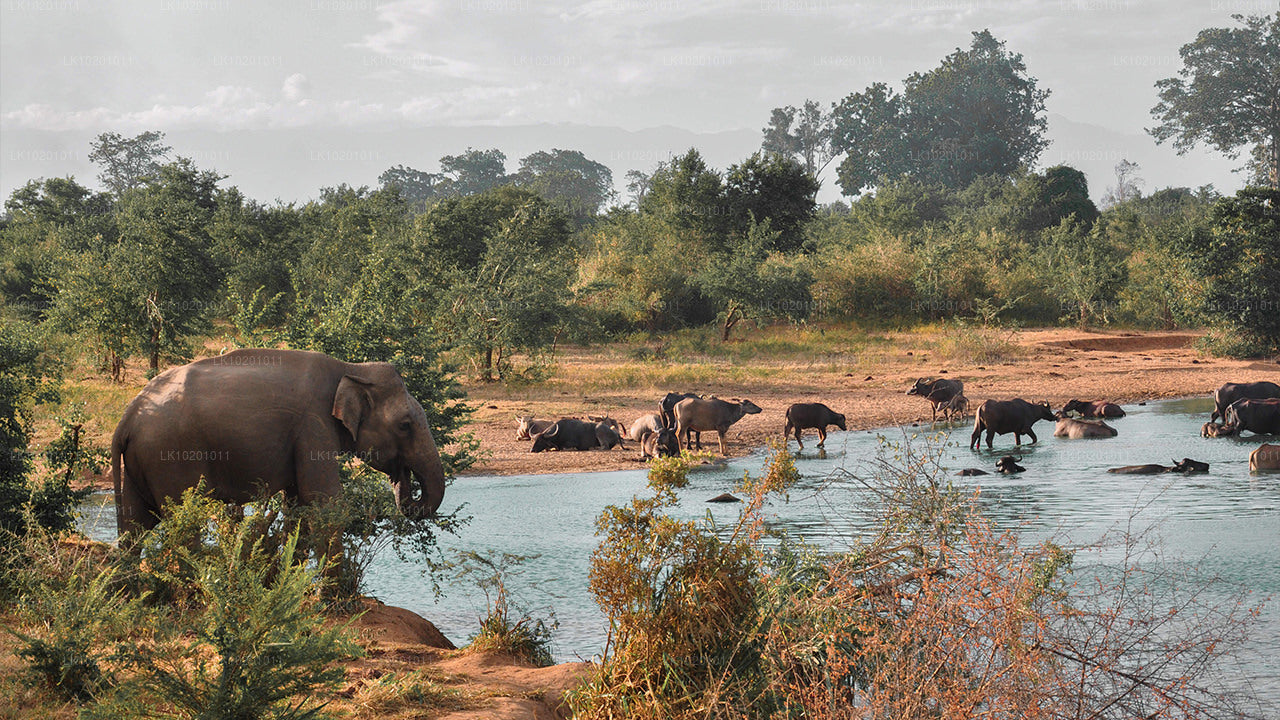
{"x":506,"y":627}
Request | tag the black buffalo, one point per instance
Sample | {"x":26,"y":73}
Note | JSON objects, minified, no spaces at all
{"x":1231,"y":392}
{"x":667,"y":411}
{"x":802,"y":416}
{"x":937,"y":392}
{"x":1185,"y":466}
{"x":1008,"y":416}
{"x":1009,"y":465}
{"x":571,"y":434}
{"x":1258,"y":416}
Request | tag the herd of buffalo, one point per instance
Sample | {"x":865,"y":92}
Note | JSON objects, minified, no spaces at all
{"x":683,"y":417}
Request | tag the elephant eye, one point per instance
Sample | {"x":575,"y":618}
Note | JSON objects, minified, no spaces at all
{"x":406,"y":425}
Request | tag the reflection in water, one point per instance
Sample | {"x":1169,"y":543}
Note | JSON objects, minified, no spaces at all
{"x":1227,"y":516}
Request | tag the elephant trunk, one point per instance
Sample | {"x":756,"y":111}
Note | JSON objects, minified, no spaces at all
{"x":427,"y":472}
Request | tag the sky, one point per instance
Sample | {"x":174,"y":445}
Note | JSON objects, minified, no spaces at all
{"x":78,"y":67}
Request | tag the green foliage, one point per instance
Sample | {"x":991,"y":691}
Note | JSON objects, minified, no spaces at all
{"x":976,"y":114}
{"x":128,"y":162}
{"x":80,"y":617}
{"x":1225,"y":95}
{"x":689,"y":195}
{"x":568,"y":180}
{"x":772,"y":188}
{"x":506,"y":627}
{"x":1085,"y":270}
{"x":1238,"y":259}
{"x":473,"y":172}
{"x":259,"y":647}
{"x":53,"y":503}
{"x":804,"y":133}
{"x":27,"y":376}
{"x":744,"y":281}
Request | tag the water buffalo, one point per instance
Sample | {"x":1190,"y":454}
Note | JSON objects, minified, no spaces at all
{"x":698,"y":414}
{"x":572,"y":434}
{"x":1009,"y":465}
{"x":1231,"y":392}
{"x":1258,"y":416}
{"x":1213,"y":430}
{"x":937,"y":392}
{"x":527,"y":427}
{"x":1185,"y":466}
{"x":1008,"y":416}
{"x":644,"y":426}
{"x":659,"y":443}
{"x":1093,"y":409}
{"x":802,"y":416}
{"x":970,"y":472}
{"x":958,"y":405}
{"x":1266,"y":457}
{"x":612,"y":424}
{"x":1077,"y":429}
{"x":667,"y":410}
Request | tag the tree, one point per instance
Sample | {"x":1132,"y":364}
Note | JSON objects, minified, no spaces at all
{"x":810,"y":141}
{"x":127,"y":162}
{"x":1128,"y":185}
{"x":744,"y":282}
{"x":1227,"y":94}
{"x":770,"y":187}
{"x":1085,"y":269}
{"x":474,"y":171}
{"x":690,"y":195}
{"x":638,"y":183}
{"x":976,"y":114}
{"x":568,"y":179}
{"x":27,"y":377}
{"x":415,"y":186}
{"x":1043,"y":200}
{"x":1240,"y":259}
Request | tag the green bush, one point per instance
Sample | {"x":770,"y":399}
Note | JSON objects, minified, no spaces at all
{"x":506,"y":627}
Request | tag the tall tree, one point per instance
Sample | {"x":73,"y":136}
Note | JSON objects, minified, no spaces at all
{"x":978,"y":113}
{"x":1128,"y":185}
{"x":770,"y":187}
{"x":415,"y":186}
{"x":810,"y":140}
{"x":1227,"y":94}
{"x":690,"y":195}
{"x":569,"y":179}
{"x":127,"y":162}
{"x":638,"y":183}
{"x":474,"y":171}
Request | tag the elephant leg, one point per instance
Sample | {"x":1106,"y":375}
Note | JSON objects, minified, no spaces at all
{"x":318,"y":482}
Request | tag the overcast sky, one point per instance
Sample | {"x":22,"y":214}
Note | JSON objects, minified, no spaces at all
{"x":172,"y":65}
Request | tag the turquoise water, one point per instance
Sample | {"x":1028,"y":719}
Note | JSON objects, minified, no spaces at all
{"x":1228,"y":519}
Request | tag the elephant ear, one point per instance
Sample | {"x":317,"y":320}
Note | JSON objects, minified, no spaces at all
{"x":351,"y":402}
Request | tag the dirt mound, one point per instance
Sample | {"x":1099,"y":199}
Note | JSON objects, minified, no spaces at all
{"x":541,"y":691}
{"x":1126,"y":343}
{"x":398,"y":626}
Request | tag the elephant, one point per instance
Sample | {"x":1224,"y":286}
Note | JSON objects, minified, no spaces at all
{"x":256,"y":422}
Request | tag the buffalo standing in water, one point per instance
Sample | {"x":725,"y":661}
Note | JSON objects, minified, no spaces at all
{"x":802,"y":416}
{"x":1231,"y":392}
{"x":1008,"y":416}
{"x":937,"y":392}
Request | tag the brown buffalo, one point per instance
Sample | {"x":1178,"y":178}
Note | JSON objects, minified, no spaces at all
{"x":1077,"y":429}
{"x":700,"y":415}
{"x":659,"y":443}
{"x":1266,"y":457}
{"x":937,"y":392}
{"x":1257,"y":416}
{"x":667,"y":410}
{"x":1008,"y":416}
{"x":802,"y":416}
{"x":1093,"y":409}
{"x":644,"y":426}
{"x":527,"y":427}
{"x":1214,"y":430}
{"x":1224,"y":396}
{"x":958,"y":405}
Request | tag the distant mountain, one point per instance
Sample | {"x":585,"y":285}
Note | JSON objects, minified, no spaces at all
{"x":292,"y":164}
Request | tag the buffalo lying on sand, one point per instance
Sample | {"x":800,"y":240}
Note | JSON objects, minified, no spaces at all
{"x":1257,"y":416}
{"x":802,"y":416}
{"x":644,"y":426}
{"x":700,"y":415}
{"x":1231,"y":392}
{"x":1093,"y":409}
{"x":937,"y":392}
{"x":571,"y":434}
{"x":1008,"y":416}
{"x":1185,"y":466}
{"x":661,"y":443}
{"x":1077,"y":429}
{"x":527,"y":427}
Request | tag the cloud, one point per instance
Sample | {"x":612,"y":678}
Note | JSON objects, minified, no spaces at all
{"x":296,"y":87}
